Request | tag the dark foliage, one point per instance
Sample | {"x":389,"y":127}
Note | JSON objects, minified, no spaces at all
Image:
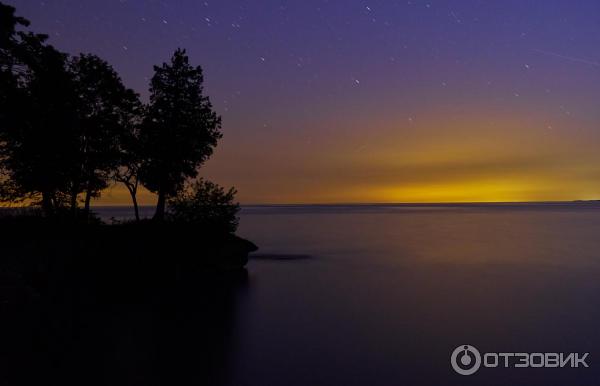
{"x":36,"y":115}
{"x":60,"y":120}
{"x":206,"y":205}
{"x":38,"y":143}
{"x":130,"y":158}
{"x":107,"y":110}
{"x":179,"y":130}
{"x":69,"y":127}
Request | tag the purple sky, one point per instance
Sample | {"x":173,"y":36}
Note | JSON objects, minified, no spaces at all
{"x":371,"y":101}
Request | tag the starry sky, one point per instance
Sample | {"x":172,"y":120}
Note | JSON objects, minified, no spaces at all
{"x":370,"y":101}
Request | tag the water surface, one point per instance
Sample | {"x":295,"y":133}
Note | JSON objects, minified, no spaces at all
{"x":381,"y":295}
{"x":389,"y":291}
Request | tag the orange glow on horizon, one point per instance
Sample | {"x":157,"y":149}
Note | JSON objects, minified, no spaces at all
{"x":432,"y":159}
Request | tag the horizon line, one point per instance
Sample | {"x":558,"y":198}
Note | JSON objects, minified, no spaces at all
{"x":440,"y":203}
{"x":386,"y":203}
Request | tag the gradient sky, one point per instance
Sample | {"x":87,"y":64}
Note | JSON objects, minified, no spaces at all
{"x":370,"y":101}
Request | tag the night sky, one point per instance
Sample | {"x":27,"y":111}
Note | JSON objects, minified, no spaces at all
{"x":370,"y":101}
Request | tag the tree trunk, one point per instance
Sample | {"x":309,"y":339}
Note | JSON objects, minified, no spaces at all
{"x":88,"y":198}
{"x":74,"y":202}
{"x":47,"y":206}
{"x":132,"y":192}
{"x":160,"y":206}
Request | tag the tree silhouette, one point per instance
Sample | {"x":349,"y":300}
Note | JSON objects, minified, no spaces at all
{"x":9,"y":90}
{"x":68,"y":126}
{"x":130,"y":159}
{"x":179,"y":131}
{"x":106,"y":109}
{"x":60,"y":120}
{"x":37,"y":116}
{"x":206,"y":205}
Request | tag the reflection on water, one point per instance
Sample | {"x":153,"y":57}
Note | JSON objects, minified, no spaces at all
{"x":389,"y":292}
{"x":180,"y":334}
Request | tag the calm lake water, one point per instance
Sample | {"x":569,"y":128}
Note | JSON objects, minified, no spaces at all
{"x":382,"y":295}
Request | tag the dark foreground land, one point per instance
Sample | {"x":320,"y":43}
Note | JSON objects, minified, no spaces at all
{"x":78,"y":302}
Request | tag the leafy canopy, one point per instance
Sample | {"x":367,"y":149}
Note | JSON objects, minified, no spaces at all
{"x":180,"y":128}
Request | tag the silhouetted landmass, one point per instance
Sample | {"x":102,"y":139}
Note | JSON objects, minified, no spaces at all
{"x":74,"y":290}
{"x":69,"y":128}
{"x":148,"y":303}
{"x":72,"y":295}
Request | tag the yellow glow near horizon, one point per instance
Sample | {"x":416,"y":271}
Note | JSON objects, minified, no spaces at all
{"x":475,"y":159}
{"x":467,"y":160}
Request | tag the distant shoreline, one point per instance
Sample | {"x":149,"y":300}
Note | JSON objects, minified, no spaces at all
{"x":402,"y":204}
{"x":380,"y":204}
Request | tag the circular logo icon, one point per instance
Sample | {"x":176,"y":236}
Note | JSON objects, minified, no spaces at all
{"x":465,"y":359}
